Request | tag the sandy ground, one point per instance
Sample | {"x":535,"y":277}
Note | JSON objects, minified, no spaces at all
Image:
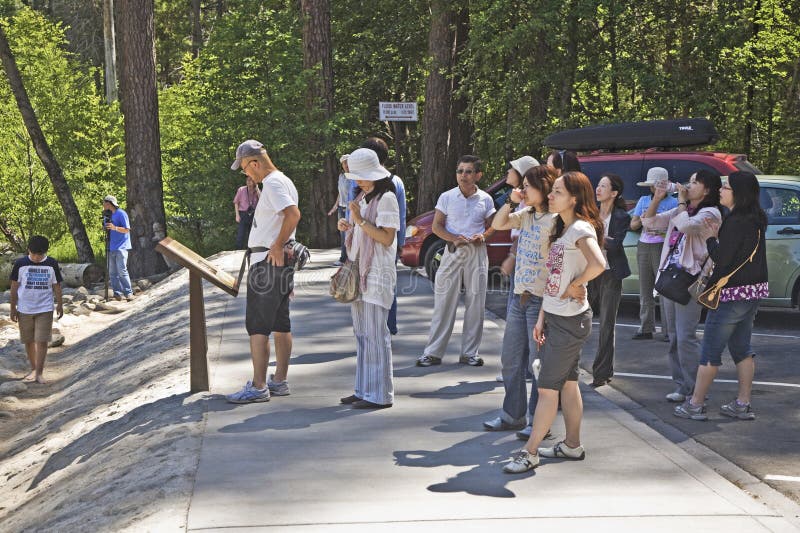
{"x":111,"y":443}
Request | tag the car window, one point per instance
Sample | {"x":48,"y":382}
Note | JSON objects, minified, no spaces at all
{"x":629,"y":170}
{"x":746,"y":165}
{"x":782,"y":206}
{"x":679,"y":170}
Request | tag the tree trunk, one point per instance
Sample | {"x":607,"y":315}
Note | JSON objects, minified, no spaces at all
{"x":460,"y":126}
{"x":436,"y":175}
{"x":197,"y":32}
{"x":139,"y":103}
{"x":317,"y":55}
{"x":109,"y":43}
{"x":60,"y":185}
{"x":17,"y":242}
{"x":613,"y":50}
{"x":750,"y":95}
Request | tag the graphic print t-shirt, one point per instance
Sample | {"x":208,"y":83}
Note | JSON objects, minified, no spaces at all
{"x":565,"y":263}
{"x":36,"y":282}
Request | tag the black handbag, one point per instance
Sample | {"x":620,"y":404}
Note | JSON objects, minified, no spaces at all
{"x":673,"y":282}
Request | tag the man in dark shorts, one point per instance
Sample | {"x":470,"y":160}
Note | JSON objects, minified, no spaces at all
{"x":270,"y":279}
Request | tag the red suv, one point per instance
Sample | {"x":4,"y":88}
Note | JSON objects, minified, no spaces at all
{"x":423,"y":248}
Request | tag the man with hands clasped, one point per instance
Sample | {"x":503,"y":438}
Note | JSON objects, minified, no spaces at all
{"x":463,"y":220}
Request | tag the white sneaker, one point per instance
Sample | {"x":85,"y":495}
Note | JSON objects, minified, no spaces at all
{"x":675,"y":397}
{"x":499,"y":378}
{"x":521,"y":461}
{"x":562,"y":451}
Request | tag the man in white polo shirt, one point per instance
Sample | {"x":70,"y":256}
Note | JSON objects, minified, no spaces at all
{"x":463,"y":220}
{"x":270,"y":279}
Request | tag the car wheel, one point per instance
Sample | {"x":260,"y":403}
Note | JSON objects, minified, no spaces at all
{"x":433,"y":257}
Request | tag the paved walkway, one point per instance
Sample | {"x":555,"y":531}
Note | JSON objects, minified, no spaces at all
{"x":305,"y":463}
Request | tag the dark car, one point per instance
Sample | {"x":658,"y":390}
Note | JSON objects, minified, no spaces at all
{"x":424,"y":249}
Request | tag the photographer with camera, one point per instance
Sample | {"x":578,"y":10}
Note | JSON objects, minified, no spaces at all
{"x":244,"y":206}
{"x":118,"y":228}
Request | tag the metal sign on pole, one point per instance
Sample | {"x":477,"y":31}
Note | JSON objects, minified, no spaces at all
{"x":397,"y":111}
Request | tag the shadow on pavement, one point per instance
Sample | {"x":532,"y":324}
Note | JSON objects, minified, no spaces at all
{"x":483,"y":479}
{"x":293,"y":419}
{"x":464,"y":389}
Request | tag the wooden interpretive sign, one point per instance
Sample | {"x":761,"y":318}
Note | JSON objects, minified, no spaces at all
{"x":199,"y":269}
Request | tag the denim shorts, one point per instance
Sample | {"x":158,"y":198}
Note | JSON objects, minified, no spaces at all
{"x":731,"y":325}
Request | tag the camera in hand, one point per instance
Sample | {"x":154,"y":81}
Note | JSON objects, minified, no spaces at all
{"x":106,"y":217}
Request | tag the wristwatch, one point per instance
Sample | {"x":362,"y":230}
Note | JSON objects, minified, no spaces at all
{"x":510,"y":202}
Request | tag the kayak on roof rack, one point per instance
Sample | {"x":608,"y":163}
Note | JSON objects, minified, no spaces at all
{"x":672,"y":133}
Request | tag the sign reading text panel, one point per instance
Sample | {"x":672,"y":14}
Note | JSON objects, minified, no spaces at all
{"x":196,"y":263}
{"x":397,"y":111}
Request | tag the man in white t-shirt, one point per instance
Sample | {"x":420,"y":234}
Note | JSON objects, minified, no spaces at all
{"x":270,"y":279}
{"x":463,"y":220}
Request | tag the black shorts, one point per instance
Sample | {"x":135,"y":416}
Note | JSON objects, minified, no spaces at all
{"x":268,"y":290}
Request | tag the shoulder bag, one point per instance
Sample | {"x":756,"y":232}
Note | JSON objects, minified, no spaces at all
{"x":673,"y":281}
{"x":345,"y":286}
{"x":710,"y":297}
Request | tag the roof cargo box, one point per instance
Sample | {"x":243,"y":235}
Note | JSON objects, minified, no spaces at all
{"x":636,"y":135}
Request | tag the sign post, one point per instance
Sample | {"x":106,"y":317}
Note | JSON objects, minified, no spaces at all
{"x":199,"y":269}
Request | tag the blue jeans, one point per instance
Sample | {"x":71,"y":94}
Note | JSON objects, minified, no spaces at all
{"x":730,"y":324}
{"x":519,"y":349}
{"x":118,"y":272}
{"x":341,"y":211}
{"x":684,"y":346}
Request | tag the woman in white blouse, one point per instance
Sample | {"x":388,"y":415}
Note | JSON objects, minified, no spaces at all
{"x":372,"y":241}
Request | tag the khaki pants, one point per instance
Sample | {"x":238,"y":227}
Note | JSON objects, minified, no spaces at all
{"x":468,"y":265}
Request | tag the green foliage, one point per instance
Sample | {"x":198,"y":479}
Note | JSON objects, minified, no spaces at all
{"x":84,"y":135}
{"x":530,"y":67}
{"x":247,"y":84}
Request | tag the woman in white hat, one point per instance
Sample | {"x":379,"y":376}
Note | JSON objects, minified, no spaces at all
{"x":372,"y":241}
{"x":648,"y":254}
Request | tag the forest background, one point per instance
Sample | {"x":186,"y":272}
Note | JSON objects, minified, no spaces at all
{"x":305,"y":77}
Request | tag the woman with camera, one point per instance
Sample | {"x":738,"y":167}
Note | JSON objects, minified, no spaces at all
{"x":741,"y":254}
{"x":244,"y":205}
{"x":696,"y":218}
{"x":372,"y":242}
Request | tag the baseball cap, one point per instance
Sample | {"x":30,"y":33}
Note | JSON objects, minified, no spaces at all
{"x":112,"y":200}
{"x":248,"y":148}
